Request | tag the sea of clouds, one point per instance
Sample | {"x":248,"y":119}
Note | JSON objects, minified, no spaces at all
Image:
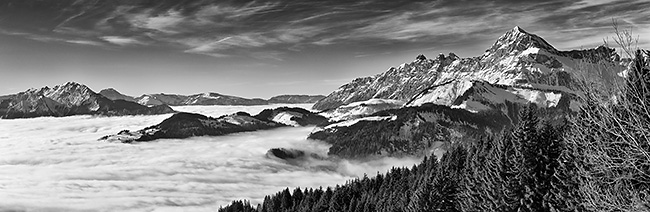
{"x":57,"y":164}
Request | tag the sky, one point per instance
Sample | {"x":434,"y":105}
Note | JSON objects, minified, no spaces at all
{"x":266,"y":48}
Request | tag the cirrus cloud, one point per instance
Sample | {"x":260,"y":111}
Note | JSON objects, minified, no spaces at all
{"x":244,"y":29}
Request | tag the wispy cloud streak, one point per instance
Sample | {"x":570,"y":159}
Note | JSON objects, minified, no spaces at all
{"x":226,"y":29}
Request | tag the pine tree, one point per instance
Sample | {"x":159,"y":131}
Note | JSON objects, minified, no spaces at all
{"x":297,"y":197}
{"x":323,"y":203}
{"x":338,"y":200}
{"x":510,"y":174}
{"x":421,"y":198}
{"x":286,"y":201}
{"x":446,"y":185}
{"x":482,"y":184}
{"x":266,"y":205}
{"x":550,"y":144}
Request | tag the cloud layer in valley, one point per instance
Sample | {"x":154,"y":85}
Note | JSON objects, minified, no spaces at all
{"x":58,"y":164}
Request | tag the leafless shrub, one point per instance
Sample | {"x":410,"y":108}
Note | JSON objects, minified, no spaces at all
{"x":610,"y":139}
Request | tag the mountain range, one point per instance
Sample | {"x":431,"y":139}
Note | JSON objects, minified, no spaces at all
{"x":420,"y":107}
{"x":517,"y":59}
{"x":209,"y":98}
{"x":77,"y":99}
{"x":70,"y":99}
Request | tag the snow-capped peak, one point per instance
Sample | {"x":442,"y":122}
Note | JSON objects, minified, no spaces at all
{"x":517,"y":58}
{"x":517,"y":39}
{"x":70,"y":93}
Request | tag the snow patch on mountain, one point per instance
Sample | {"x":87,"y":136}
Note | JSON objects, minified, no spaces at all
{"x":361,"y":108}
{"x":287,"y":118}
{"x":482,"y":96}
{"x":354,"y":121}
{"x":442,"y":95}
{"x":351,"y":122}
{"x":239,"y":120}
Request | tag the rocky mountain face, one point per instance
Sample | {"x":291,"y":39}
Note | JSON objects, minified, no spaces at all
{"x":517,"y":58}
{"x":69,"y":99}
{"x":399,"y":83}
{"x":185,"y":125}
{"x":420,"y":107}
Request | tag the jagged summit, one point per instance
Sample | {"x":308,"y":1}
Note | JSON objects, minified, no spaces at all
{"x":73,"y":86}
{"x":517,"y":39}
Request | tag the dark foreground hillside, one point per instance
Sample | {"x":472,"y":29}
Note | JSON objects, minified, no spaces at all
{"x":489,"y":174}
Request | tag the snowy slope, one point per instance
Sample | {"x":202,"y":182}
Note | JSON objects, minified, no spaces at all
{"x":483,"y":96}
{"x":286,"y":118}
{"x":361,"y":109}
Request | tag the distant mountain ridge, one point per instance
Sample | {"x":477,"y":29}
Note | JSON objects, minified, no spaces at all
{"x":69,"y":99}
{"x":113,"y":94}
{"x":295,"y":99}
{"x":77,"y":99}
{"x":209,"y":98}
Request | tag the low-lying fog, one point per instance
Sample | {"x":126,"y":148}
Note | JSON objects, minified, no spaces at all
{"x":58,"y":164}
